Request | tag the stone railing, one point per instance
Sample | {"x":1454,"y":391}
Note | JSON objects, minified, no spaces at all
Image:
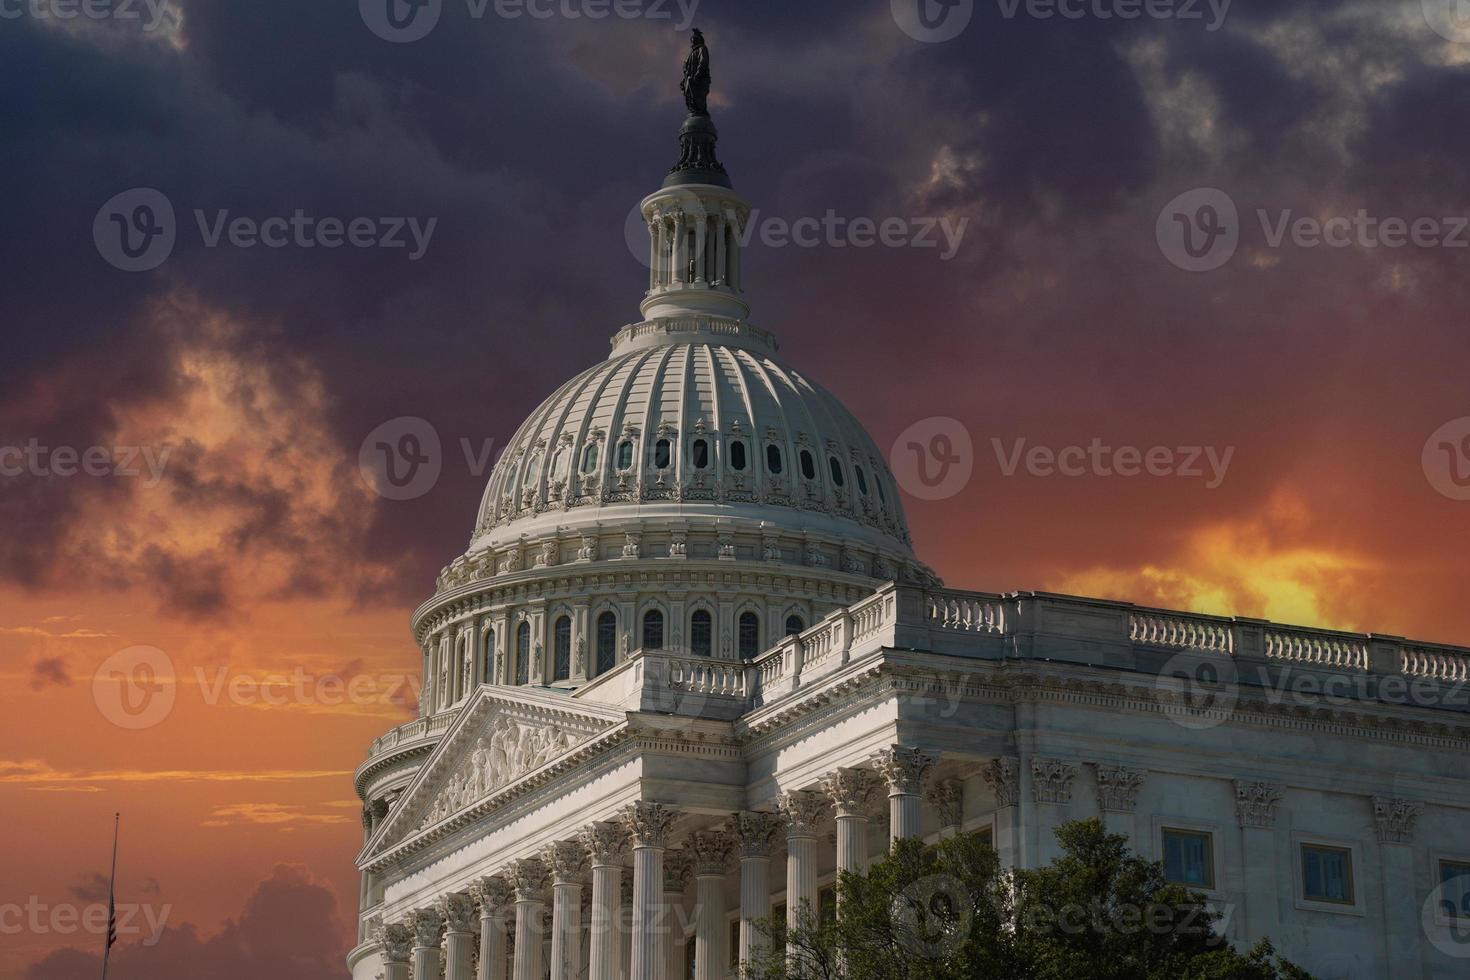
{"x":1326,"y":649}
{"x":968,"y":612}
{"x":714,"y":677}
{"x":1181,"y":632}
{"x":420,"y":729}
{"x":1451,"y":664}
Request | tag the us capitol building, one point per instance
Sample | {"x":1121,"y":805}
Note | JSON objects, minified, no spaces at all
{"x":690,"y":667}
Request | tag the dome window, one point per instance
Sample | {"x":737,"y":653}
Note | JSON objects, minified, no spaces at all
{"x":523,"y":654}
{"x":737,"y":456}
{"x":808,"y":465}
{"x":607,"y":642}
{"x":882,"y":497}
{"x":835,"y":464}
{"x":625,"y":454}
{"x":653,"y":630}
{"x":662,"y":454}
{"x":773,"y":459}
{"x":560,"y":462}
{"x":563,"y":647}
{"x":589,"y":458}
{"x":750,"y":635}
{"x":701,"y":633}
{"x":862,"y":480}
{"x":533,"y":470}
{"x":794,"y":625}
{"x":699,"y":454}
{"x":488,"y":663}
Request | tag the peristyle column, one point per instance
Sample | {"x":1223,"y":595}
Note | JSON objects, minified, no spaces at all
{"x":493,"y":896}
{"x":530,"y":878}
{"x":648,"y":824}
{"x":568,"y":861}
{"x":458,"y":910}
{"x":850,"y":790}
{"x":904,"y":770}
{"x":396,"y":946}
{"x":754,"y":831}
{"x":802,"y":811}
{"x":711,"y":853}
{"x":427,"y":925}
{"x":606,"y":844}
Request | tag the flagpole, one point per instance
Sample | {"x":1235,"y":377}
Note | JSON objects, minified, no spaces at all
{"x":111,"y":903}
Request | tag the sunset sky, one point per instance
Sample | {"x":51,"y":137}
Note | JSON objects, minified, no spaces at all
{"x":239,"y":383}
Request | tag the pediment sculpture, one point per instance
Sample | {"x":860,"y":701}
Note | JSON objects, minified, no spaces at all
{"x":504,"y":753}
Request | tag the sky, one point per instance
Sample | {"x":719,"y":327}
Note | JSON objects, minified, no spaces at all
{"x":1172,"y":301}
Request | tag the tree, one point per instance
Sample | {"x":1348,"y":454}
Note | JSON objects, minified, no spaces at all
{"x":950,"y":912}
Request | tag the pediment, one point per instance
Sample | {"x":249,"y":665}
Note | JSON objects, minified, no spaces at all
{"x":505,"y":736}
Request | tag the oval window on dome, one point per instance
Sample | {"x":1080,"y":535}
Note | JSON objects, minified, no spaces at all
{"x":662,"y":454}
{"x":835,"y":464}
{"x":862,"y":480}
{"x":625,"y":454}
{"x":737,"y":456}
{"x":589,"y":458}
{"x":699,"y":454}
{"x":773,"y":459}
{"x":808,"y":465}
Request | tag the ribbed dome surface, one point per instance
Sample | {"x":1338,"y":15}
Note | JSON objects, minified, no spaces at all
{"x":703,"y":427}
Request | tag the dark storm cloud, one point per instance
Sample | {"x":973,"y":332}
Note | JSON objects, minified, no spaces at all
{"x":530,"y":140}
{"x":50,"y":672}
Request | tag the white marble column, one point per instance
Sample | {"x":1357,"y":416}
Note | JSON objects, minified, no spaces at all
{"x":568,"y":862}
{"x":624,"y":937}
{"x":904,"y":770}
{"x":802,"y":812}
{"x":648,"y":824}
{"x":428,"y":924}
{"x":605,"y":844}
{"x":396,"y":947}
{"x":530,"y":879}
{"x":710,"y":850}
{"x":753,"y":833}
{"x":493,"y":896}
{"x":678,"y":869}
{"x":458,"y":910}
{"x":850,"y":791}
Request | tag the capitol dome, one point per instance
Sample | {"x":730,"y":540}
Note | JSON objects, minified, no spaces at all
{"x":691,"y":494}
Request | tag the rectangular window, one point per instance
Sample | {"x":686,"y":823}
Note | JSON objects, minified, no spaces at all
{"x":985,"y":835}
{"x":1327,"y":874}
{"x":1189,"y":858}
{"x":1454,"y":876}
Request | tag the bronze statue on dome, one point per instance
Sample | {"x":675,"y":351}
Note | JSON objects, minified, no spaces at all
{"x":695,"y":84}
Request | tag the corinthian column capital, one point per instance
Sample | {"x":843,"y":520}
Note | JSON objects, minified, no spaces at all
{"x":753,"y":831}
{"x":396,"y":942}
{"x":850,"y":790}
{"x":492,"y":895}
{"x":458,"y":910}
{"x":904,"y":769}
{"x":802,"y":811}
{"x":648,"y":824}
{"x":428,"y":925}
{"x":605,"y":843}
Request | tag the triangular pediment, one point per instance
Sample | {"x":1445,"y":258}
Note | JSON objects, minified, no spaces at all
{"x":504,"y":737}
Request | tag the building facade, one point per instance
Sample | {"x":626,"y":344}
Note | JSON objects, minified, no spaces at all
{"x":689,"y":668}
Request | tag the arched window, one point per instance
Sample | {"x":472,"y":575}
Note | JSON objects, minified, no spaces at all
{"x":701,"y":633}
{"x":523,"y":654}
{"x":773,"y":459}
{"x":563,"y":667}
{"x":653,"y":630}
{"x":607,"y":642}
{"x":835,"y":464}
{"x":589,"y":458}
{"x":750,"y":635}
{"x":533,"y":470}
{"x":487,"y":655}
{"x":737,"y":455}
{"x":862,"y":480}
{"x":808,"y":465}
{"x":625,"y":454}
{"x":794,"y":625}
{"x":662,"y":454}
{"x":699,"y":454}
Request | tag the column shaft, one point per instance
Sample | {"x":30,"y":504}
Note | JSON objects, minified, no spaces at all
{"x":528,"y":953}
{"x":711,"y":957}
{"x":459,"y":950}
{"x":606,"y":899}
{"x":492,"y":948}
{"x":566,"y":931}
{"x":801,"y":878}
{"x":755,"y":904}
{"x":648,"y":876}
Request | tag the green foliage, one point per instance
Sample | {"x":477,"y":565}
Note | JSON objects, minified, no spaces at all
{"x":950,"y":912}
